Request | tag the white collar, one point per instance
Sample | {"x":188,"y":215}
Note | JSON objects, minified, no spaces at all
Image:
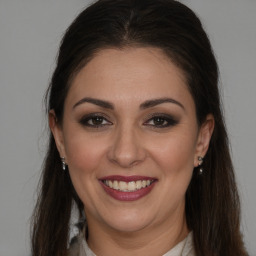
{"x":184,"y":248}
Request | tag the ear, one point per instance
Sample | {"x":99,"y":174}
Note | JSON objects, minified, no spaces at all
{"x":57,"y":133}
{"x":204,"y":137}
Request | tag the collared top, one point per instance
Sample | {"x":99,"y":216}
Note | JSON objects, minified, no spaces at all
{"x":185,"y":248}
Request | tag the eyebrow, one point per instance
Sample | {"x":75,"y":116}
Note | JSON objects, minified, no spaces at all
{"x":101,"y":103}
{"x":155,"y":102}
{"x":144,"y":105}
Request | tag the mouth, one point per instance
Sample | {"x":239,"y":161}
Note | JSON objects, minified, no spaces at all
{"x":127,"y":188}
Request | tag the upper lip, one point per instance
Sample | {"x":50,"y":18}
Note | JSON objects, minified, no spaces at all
{"x":127,"y":178}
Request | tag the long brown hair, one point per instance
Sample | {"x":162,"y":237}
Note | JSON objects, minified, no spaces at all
{"x":212,"y":202}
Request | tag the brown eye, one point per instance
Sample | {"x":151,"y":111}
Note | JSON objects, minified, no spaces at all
{"x":94,"y":121}
{"x":97,"y":120}
{"x":161,"y":121}
{"x":158,"y":121}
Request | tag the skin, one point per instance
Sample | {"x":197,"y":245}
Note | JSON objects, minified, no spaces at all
{"x":129,"y":142}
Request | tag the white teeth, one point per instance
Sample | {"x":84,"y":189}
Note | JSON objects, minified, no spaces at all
{"x":115,"y":184}
{"x":128,"y":186}
{"x":123,"y":185}
{"x":144,"y":183}
{"x":138,"y":184}
{"x":131,"y":186}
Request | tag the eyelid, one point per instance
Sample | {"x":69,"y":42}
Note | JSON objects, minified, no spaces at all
{"x":89,"y":116}
{"x":169,"y":118}
{"x":159,"y":114}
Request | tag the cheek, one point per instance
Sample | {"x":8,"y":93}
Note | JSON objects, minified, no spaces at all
{"x":84,"y":157}
{"x":175,"y":158}
{"x":175,"y":154}
{"x":84,"y":153}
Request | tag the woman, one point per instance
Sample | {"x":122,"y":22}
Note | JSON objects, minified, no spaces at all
{"x":138,"y":140}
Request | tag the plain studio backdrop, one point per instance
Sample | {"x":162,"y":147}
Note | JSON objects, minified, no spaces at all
{"x":30,"y":32}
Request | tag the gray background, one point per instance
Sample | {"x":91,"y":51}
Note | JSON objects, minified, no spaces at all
{"x":30,"y":31}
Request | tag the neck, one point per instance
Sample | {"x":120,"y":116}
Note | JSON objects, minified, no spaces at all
{"x":153,"y":240}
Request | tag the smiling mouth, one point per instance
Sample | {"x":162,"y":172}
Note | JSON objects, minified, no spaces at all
{"x":131,"y":186}
{"x":127,"y":188}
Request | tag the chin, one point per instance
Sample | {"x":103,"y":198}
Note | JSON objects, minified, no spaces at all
{"x":128,"y":227}
{"x":129,"y":222}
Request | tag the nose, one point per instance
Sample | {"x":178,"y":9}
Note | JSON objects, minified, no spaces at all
{"x":127,"y":148}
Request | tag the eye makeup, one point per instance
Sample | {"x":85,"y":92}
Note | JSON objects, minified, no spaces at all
{"x":154,"y":121}
{"x":95,"y":120}
{"x":160,"y":120}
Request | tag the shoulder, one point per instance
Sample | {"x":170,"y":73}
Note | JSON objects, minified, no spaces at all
{"x":189,"y":249}
{"x":74,"y":246}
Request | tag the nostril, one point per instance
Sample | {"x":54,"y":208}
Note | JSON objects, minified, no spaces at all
{"x":126,"y":163}
{"x":127,"y":157}
{"x":126,"y":149}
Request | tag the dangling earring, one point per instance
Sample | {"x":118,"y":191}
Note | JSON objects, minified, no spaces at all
{"x":201,"y":160}
{"x":63,"y":163}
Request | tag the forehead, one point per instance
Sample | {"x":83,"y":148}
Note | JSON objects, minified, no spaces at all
{"x":129,"y":74}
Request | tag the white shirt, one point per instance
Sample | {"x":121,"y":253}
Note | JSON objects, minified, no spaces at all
{"x":184,"y":248}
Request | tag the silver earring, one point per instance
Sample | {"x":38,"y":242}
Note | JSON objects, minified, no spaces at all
{"x":63,"y":163}
{"x":201,"y":160}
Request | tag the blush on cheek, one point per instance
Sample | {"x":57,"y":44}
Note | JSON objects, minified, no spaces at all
{"x":84,"y":161}
{"x":83,"y":156}
{"x":175,"y":154}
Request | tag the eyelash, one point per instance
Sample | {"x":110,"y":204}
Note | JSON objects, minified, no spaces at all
{"x":165,"y":119}
{"x":93,"y":117}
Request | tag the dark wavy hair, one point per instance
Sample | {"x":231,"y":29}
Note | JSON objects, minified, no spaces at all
{"x":212,"y":201}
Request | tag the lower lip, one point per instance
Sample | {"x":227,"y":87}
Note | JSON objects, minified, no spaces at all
{"x":128,"y":196}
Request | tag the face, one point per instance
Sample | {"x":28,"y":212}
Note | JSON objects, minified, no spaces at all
{"x":131,"y":139}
